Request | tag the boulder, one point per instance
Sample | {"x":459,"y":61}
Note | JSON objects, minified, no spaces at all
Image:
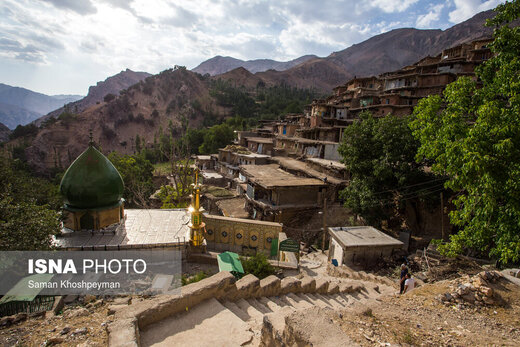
{"x":79,"y":312}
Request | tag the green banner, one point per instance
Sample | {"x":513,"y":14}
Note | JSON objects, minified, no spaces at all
{"x":274,"y":247}
{"x":289,"y":245}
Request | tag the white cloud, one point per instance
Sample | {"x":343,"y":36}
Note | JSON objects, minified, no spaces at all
{"x":97,"y":38}
{"x":390,"y":6}
{"x":426,"y":20}
{"x":465,"y":9}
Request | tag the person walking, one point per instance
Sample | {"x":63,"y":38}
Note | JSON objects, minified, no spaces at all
{"x":404,"y":271}
{"x":409,"y":283}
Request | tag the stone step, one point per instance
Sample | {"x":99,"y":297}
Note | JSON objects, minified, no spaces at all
{"x":259,"y":306}
{"x":201,"y":326}
{"x":319,"y":301}
{"x":297,"y":302}
{"x":250,"y":310}
{"x":267,"y":301}
{"x":233,"y":307}
{"x":305,"y":297}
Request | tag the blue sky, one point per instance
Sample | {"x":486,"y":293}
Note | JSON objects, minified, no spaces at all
{"x":64,"y":46}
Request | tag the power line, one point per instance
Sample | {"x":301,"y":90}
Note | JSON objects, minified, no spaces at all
{"x":412,"y":185}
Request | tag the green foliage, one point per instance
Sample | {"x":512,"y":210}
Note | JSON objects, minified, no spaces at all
{"x":170,"y":197}
{"x":473,"y":136}
{"x":195,"y":278}
{"x":28,"y":205}
{"x":137,"y":174}
{"x":109,"y":97}
{"x":24,"y":130}
{"x":257,"y":265}
{"x":380,"y":156}
{"x":216,"y":137}
{"x":269,"y":103}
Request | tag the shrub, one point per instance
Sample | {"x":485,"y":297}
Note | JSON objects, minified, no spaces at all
{"x":257,"y":265}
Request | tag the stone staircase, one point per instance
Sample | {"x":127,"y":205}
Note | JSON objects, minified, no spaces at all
{"x":221,"y":311}
{"x":245,"y":317}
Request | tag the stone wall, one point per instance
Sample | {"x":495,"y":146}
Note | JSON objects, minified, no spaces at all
{"x":239,"y":235}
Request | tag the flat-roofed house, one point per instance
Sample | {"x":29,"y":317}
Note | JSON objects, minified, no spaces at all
{"x":276,"y":195}
{"x":360,"y":245}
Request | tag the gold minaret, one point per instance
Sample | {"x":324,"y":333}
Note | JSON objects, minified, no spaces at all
{"x":196,"y":225}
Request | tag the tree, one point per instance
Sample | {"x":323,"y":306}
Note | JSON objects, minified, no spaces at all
{"x":137,"y":174}
{"x":473,"y":135}
{"x":216,"y":137}
{"x":28,"y":217}
{"x":379,"y":154}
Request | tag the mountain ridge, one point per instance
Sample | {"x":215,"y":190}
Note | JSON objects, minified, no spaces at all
{"x":111,"y":85}
{"x":219,"y":64}
{"x":21,"y":106}
{"x":381,"y":53}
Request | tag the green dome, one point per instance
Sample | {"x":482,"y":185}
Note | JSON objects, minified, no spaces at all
{"x":91,"y":181}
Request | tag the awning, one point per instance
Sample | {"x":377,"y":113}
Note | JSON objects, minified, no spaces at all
{"x":229,"y":261}
{"x":22,"y":292}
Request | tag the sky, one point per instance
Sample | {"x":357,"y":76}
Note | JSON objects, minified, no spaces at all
{"x":64,"y":46}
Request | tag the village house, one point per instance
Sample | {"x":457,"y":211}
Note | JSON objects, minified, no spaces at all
{"x":273,"y":194}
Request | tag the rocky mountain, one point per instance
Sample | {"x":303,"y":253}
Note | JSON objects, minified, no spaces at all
{"x":112,"y":85}
{"x":385,"y":52}
{"x":22,"y":106}
{"x":158,"y":103}
{"x":161,"y":102}
{"x":12,"y":116}
{"x":219,"y":65}
{"x":4,"y":133}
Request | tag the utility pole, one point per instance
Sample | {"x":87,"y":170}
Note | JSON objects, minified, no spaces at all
{"x":442,"y":218}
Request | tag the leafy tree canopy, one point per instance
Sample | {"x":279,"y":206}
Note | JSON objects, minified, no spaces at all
{"x":137,"y":174}
{"x":28,"y":205}
{"x":380,"y":156}
{"x":473,"y":135}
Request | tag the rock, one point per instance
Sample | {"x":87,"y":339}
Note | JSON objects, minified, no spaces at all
{"x":65,"y":330}
{"x":68,"y":299}
{"x":112,"y":309}
{"x":54,"y":341}
{"x":486,"y":291}
{"x":122,"y":300}
{"x":469,"y":297}
{"x":81,"y":331}
{"x":89,"y":298}
{"x":447,"y":297}
{"x":6,"y":321}
{"x":488,"y":300}
{"x":19,"y":317}
{"x":79,"y":312}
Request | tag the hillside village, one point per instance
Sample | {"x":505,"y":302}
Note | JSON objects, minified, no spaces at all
{"x":251,"y":237}
{"x":289,"y":170}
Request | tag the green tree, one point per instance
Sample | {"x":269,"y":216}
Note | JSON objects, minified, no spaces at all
{"x":473,"y":135}
{"x":28,"y":217}
{"x":380,"y":154}
{"x":137,"y":174}
{"x":216,"y":137}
